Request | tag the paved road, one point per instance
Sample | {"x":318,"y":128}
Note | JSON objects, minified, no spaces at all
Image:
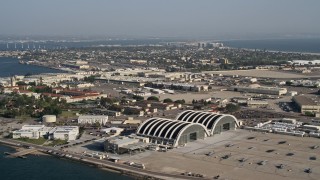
{"x":104,"y":163}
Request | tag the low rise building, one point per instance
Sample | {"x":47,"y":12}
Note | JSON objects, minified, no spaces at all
{"x":25,"y":134}
{"x":91,"y":119}
{"x":107,"y":112}
{"x":37,"y":131}
{"x":66,"y":133}
{"x":124,"y":144}
{"x":257,"y":104}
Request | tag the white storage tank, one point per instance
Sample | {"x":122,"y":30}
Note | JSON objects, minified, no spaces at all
{"x":49,"y":118}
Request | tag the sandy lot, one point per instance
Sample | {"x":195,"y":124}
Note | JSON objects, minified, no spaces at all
{"x":254,"y":147}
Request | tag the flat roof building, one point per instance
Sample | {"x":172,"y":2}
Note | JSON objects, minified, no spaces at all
{"x":306,"y":104}
{"x":91,"y":119}
{"x":259,"y":89}
{"x":66,"y":133}
{"x":257,"y":104}
{"x":37,"y":131}
{"x":107,"y":112}
{"x":124,"y":144}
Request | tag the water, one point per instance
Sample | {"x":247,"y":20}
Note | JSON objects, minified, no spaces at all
{"x":291,"y":45}
{"x":4,"y":46}
{"x":10,"y":66}
{"x":48,"y":167}
{"x":288,"y":45}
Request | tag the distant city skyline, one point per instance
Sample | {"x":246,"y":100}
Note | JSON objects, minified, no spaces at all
{"x":161,"y":18}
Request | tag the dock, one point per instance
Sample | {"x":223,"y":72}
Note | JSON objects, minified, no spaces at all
{"x":22,"y":153}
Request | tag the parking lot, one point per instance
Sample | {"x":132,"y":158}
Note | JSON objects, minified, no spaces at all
{"x":239,"y":154}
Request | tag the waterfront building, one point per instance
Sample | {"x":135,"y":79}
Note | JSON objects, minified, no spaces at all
{"x":124,"y":144}
{"x":37,"y":131}
{"x":31,"y":131}
{"x":66,"y":133}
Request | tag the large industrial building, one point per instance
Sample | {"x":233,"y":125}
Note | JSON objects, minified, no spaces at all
{"x":306,"y":104}
{"x":255,"y":88}
{"x":171,"y":132}
{"x":188,"y":126}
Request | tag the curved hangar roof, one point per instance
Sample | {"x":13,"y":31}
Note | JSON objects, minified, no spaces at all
{"x":207,"y":119}
{"x":170,"y":130}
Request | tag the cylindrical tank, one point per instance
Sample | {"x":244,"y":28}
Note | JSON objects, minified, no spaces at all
{"x":49,"y":118}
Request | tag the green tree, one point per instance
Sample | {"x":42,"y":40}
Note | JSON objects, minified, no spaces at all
{"x":232,"y":107}
{"x":115,"y":107}
{"x":138,"y":98}
{"x":131,"y":111}
{"x":167,"y":100}
{"x":90,"y":79}
{"x":182,"y":101}
{"x":10,"y":113}
{"x":308,"y":113}
{"x":21,"y":83}
{"x":153,"y":98}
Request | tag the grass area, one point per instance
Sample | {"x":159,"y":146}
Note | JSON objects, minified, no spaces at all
{"x":57,"y":142}
{"x":39,"y":141}
{"x":68,"y":114}
{"x":24,"y":117}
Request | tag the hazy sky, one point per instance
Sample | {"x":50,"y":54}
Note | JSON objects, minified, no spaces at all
{"x":158,"y":17}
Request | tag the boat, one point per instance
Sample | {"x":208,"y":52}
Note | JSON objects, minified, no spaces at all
{"x":21,"y":62}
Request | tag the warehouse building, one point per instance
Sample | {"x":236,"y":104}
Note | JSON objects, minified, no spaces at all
{"x":171,"y":132}
{"x":255,"y":88}
{"x":306,"y":104}
{"x":257,"y":104}
{"x":213,"y":122}
{"x":90,"y":119}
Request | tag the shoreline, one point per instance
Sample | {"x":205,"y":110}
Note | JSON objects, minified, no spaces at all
{"x":42,"y":66}
{"x":131,"y":174}
{"x":39,"y":153}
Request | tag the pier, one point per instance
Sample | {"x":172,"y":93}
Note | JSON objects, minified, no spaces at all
{"x":22,"y":153}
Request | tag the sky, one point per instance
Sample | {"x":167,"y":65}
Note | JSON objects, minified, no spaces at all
{"x":158,"y":18}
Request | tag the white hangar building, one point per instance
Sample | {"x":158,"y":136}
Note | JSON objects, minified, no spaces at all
{"x":188,"y":126}
{"x":214,"y":123}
